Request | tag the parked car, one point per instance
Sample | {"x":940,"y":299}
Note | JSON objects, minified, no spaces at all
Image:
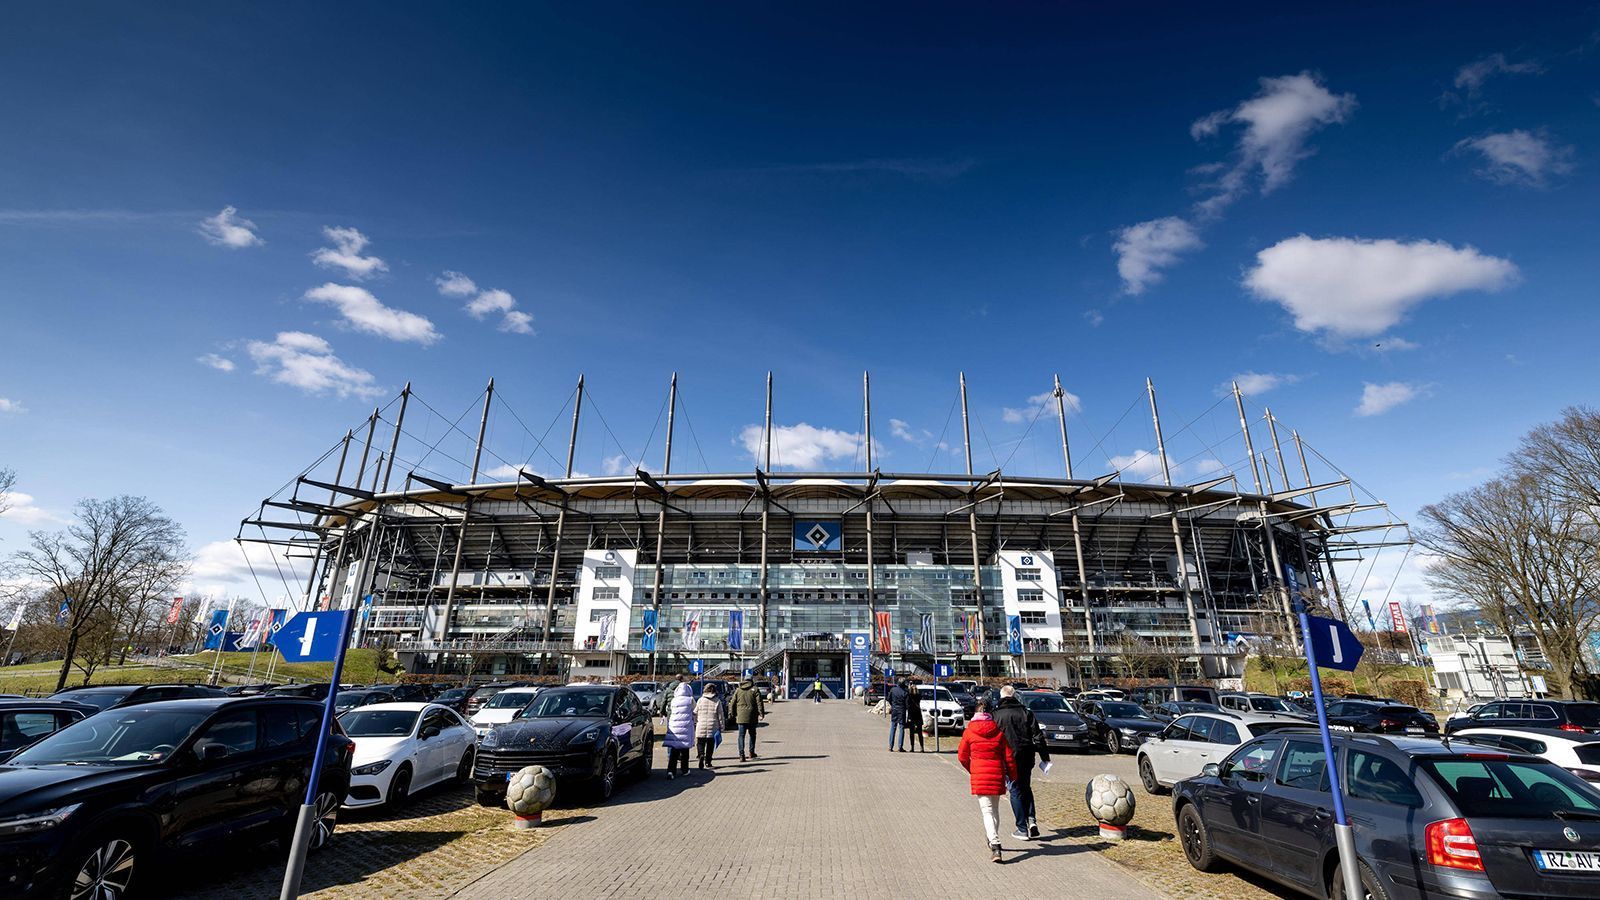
{"x":1259,"y":703}
{"x":1181,"y":693}
{"x":1166,"y":712}
{"x":309,"y":691}
{"x":965,"y":684}
{"x":938,"y":705}
{"x":1434,"y":818}
{"x":646,"y":691}
{"x":455,"y":698}
{"x":247,"y":690}
{"x":502,"y":708}
{"x":1063,"y":729}
{"x":1462,"y":713}
{"x":1577,"y":752}
{"x":93,"y":808}
{"x":348,"y":700}
{"x":968,"y":701}
{"x":1376,"y":717}
{"x":1190,"y":742}
{"x":1566,"y":715}
{"x":402,"y":747}
{"x":1118,"y":725}
{"x":586,"y":735}
{"x":116,"y":696}
{"x":405,"y":693}
{"x":484,"y":693}
{"x":23,"y":721}
{"x":768,"y":691}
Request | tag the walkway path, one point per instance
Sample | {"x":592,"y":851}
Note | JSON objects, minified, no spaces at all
{"x":826,"y":812}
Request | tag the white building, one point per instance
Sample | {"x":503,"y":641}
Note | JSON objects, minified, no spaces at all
{"x":1479,"y":667}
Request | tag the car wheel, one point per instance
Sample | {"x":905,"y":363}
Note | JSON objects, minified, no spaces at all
{"x":1369,"y":882}
{"x":464,"y":768}
{"x":1147,"y":774}
{"x":607,"y":782}
{"x":399,"y":786}
{"x":1196,"y":840}
{"x":1113,"y":742}
{"x":648,"y":760}
{"x":106,"y":868}
{"x":325,"y":818}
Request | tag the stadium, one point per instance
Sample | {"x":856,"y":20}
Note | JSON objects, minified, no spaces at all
{"x":816,"y":575}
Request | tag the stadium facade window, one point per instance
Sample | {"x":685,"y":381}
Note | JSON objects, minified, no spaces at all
{"x":1032,"y":617}
{"x":1027,"y":595}
{"x":608,"y":572}
{"x":1028,"y":575}
{"x":607,"y":594}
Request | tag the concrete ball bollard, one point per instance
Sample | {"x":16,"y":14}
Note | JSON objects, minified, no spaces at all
{"x":529,"y":793}
{"x":1111,"y":802}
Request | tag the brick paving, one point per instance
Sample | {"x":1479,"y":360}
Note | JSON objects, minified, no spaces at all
{"x":826,"y":812}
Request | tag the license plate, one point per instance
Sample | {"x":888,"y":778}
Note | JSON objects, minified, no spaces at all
{"x":1413,"y":729}
{"x":1567,"y":861}
{"x":506,"y":776}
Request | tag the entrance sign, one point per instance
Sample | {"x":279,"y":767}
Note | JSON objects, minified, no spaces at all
{"x":697,"y":666}
{"x":1334,"y":644}
{"x":943,"y":670}
{"x":313,"y":636}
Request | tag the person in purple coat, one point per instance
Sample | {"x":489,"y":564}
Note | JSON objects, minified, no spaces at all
{"x":680,"y":729}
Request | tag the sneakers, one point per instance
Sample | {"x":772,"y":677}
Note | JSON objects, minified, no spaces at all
{"x":1020,"y":835}
{"x":994,"y":853}
{"x":671,"y":775}
{"x":1033,"y":829}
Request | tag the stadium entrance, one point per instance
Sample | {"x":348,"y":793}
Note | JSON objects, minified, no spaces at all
{"x":805,"y":668}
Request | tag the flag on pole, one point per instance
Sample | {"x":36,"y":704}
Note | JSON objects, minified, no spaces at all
{"x":735,"y":629}
{"x":1371,"y":625}
{"x":215,"y":631}
{"x":1397,"y":617}
{"x":251,"y":639}
{"x":16,"y":617}
{"x":974,"y":634}
{"x":885,"y":641}
{"x":64,"y":611}
{"x":201,"y":610}
{"x":275,"y":623}
{"x":608,"y":631}
{"x":691,"y":630}
{"x":927,"y":633}
{"x":175,"y":611}
{"x":647,"y":622}
{"x":1014,"y":634}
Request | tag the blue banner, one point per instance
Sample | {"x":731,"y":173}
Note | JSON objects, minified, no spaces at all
{"x":647,"y":622}
{"x":736,"y":629}
{"x":279,"y":617}
{"x":860,"y":660}
{"x":1014,"y":633}
{"x":1371,"y":625}
{"x":214,"y":631}
{"x":64,"y":611}
{"x":817,"y":537}
{"x":908,"y":639}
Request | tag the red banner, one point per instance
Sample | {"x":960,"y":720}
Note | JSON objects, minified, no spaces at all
{"x":884,"y":641}
{"x":175,"y":611}
{"x":1397,"y":619}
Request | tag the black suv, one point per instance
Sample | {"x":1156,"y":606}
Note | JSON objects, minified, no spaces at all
{"x":94,"y":806}
{"x":1375,"y":717}
{"x":585,"y":734}
{"x":116,"y":696}
{"x":1432,"y":818}
{"x":1567,"y":715}
{"x":24,"y":721}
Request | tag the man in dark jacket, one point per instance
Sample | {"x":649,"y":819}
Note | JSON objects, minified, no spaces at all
{"x":1022,"y":733}
{"x":899,"y":698}
{"x":748,"y":711}
{"x":663,"y":704}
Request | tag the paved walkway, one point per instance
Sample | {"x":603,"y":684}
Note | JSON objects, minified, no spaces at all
{"x":826,"y":812}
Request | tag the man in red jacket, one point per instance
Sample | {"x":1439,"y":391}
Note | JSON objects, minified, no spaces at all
{"x":990,"y":763}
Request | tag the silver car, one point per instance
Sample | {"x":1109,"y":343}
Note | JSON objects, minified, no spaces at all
{"x":1190,"y":742}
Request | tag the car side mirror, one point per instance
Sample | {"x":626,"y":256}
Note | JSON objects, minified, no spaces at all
{"x":429,"y":731}
{"x":213,"y":752}
{"x":1211,"y":769}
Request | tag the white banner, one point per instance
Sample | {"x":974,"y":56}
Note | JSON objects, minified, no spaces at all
{"x":691,"y":630}
{"x":608,"y":631}
{"x":202,"y":611}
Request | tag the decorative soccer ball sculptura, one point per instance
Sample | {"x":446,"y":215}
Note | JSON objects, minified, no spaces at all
{"x":529,"y":793}
{"x":1110,"y":801}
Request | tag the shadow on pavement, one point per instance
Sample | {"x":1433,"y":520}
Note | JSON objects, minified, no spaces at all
{"x":430,"y":801}
{"x":351,"y":858}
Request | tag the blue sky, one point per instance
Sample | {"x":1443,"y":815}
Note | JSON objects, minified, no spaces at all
{"x":1389,"y":211}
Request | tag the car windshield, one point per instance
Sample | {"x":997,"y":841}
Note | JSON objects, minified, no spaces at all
{"x":454,"y":694}
{"x":930,"y":693}
{"x":509,"y":700}
{"x":1046,"y":703}
{"x":379,"y":722}
{"x":642,"y":687}
{"x":128,"y":738}
{"x":350,"y":699}
{"x":482,"y":694}
{"x":1124,"y":711}
{"x":553,"y":704}
{"x":1585,"y":714}
{"x":1270,"y":704}
{"x":1588,"y":754}
{"x":1512,"y":789}
{"x":97,"y":699}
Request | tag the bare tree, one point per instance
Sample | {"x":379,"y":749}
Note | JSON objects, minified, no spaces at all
{"x":1565,"y":457}
{"x":111,"y":549}
{"x":8,"y":480}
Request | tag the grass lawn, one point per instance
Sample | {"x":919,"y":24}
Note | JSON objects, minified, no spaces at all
{"x":360,"y":667}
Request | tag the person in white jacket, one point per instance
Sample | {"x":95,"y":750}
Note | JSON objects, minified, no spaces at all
{"x":680,"y":729}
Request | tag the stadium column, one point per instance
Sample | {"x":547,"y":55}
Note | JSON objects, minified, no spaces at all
{"x":1275,"y":574}
{"x":1326,"y":556}
{"x":461,"y":539}
{"x":333,"y":496}
{"x":1172,"y":508}
{"x":661,"y":524}
{"x":872,"y":483}
{"x":1077,"y":530}
{"x":972,"y":530}
{"x":555,"y":548}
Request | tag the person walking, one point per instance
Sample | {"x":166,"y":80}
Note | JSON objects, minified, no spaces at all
{"x":816,"y":691}
{"x":898,"y":698}
{"x":707,"y":724}
{"x":989,"y":762}
{"x":748,"y":711}
{"x":919,"y":743}
{"x":1022,"y":732}
{"x":680,"y":727}
{"x":663,"y":704}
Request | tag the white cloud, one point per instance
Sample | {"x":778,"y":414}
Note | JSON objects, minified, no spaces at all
{"x":228,"y":229}
{"x":1377,"y":399}
{"x":21,"y":509}
{"x":517,"y":322}
{"x":306,"y":361}
{"x":616,"y":465}
{"x":1143,"y":250}
{"x":1138,"y":464}
{"x":14,"y":407}
{"x":365,"y":312}
{"x":902,"y":429}
{"x":455,"y":284}
{"x":1519,"y":157}
{"x":1352,"y":287}
{"x":801,"y":446}
{"x":1037,"y":405}
{"x":1277,"y":122}
{"x":1094,"y":317}
{"x":1252,"y":383}
{"x":220,"y":569}
{"x":220,"y":363}
{"x":346,"y":253}
{"x":1472,"y":76}
{"x":490,"y":301}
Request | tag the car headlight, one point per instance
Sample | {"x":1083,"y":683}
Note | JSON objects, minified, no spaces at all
{"x":28,"y":823}
{"x":487,"y":739}
{"x":1130,"y":732}
{"x":587,"y":736}
{"x":371,"y":768}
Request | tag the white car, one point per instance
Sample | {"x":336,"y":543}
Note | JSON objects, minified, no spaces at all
{"x":1574,"y":751}
{"x":401,"y":747}
{"x":502,"y":708}
{"x":942,"y":708}
{"x":1192,"y":741}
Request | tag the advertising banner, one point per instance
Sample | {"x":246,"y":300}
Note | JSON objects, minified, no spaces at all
{"x":860,"y":660}
{"x":214,"y":631}
{"x":1014,"y":634}
{"x":885,"y":626}
{"x":647,"y":622}
{"x":691,"y":630}
{"x":175,"y":611}
{"x":928,"y":645}
{"x":817,"y":537}
{"x":1397,"y":618}
{"x":736,"y":629}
